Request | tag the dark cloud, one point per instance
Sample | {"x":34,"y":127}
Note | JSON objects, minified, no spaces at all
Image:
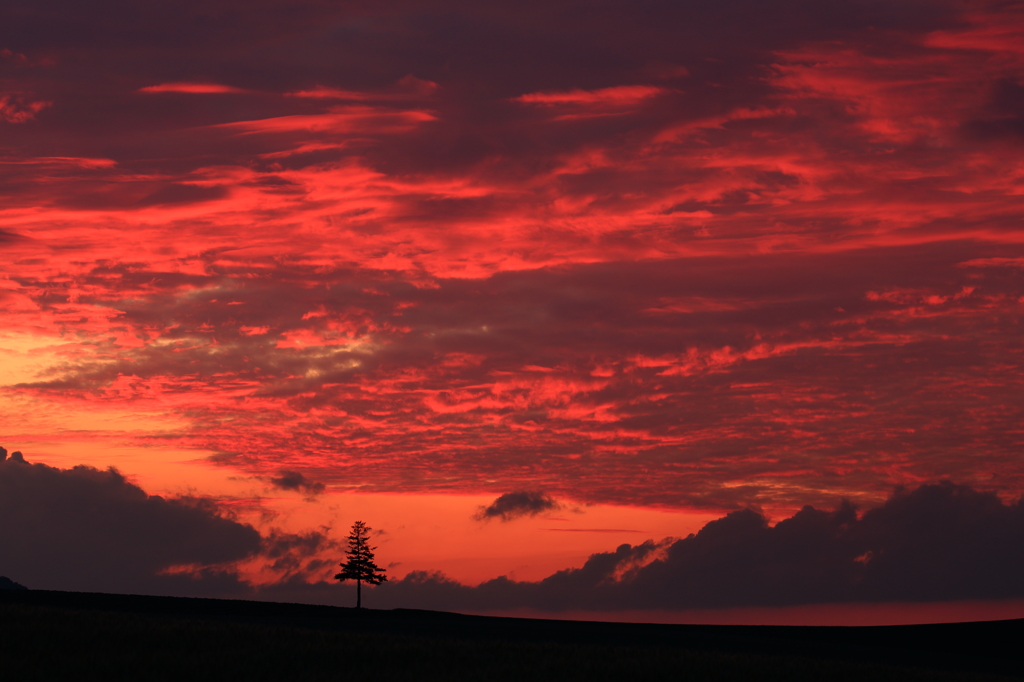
{"x":16,"y":456}
{"x":940,"y":542}
{"x":85,"y":529}
{"x":482,"y":56}
{"x":295,"y":480}
{"x":1004,"y":114}
{"x":299,"y":555}
{"x":517,"y":504}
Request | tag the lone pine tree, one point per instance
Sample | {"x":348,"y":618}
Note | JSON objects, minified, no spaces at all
{"x":358,"y":564}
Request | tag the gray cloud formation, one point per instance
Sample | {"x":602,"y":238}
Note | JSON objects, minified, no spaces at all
{"x":16,"y":456}
{"x":517,"y":504}
{"x":86,"y":529}
{"x":288,"y":479}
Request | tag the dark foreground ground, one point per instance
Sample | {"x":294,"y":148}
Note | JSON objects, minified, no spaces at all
{"x":82,"y":636}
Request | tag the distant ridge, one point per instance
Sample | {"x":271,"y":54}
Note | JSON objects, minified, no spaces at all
{"x":8,"y":584}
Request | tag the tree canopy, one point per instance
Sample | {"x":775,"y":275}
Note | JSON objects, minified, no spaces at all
{"x":359,"y":564}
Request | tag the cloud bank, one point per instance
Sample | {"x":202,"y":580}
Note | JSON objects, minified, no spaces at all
{"x":939,"y":542}
{"x":89,"y":530}
{"x":82,"y":529}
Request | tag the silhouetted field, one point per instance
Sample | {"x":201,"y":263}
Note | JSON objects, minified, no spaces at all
{"x":55,"y":635}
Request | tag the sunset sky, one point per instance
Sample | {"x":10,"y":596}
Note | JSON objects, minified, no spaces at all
{"x":515,"y":283}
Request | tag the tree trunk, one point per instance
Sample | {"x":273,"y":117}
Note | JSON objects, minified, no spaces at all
{"x":359,"y":594}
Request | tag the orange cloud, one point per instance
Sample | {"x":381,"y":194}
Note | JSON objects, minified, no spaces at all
{"x":191,"y":88}
{"x":351,"y":119}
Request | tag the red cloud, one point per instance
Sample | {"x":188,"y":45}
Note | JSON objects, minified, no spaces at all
{"x":16,"y":108}
{"x":351,"y":119}
{"x":672,"y":292}
{"x":191,"y":88}
{"x":617,"y":96}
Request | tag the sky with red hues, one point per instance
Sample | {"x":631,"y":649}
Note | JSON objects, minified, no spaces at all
{"x":642,"y":265}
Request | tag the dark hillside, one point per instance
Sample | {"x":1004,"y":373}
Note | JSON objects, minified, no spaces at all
{"x":41,"y":629}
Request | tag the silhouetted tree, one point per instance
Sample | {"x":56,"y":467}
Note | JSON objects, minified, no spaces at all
{"x":359,"y":564}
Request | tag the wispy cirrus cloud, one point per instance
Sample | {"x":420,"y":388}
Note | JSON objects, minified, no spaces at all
{"x":346,"y":120}
{"x":191,"y":88}
{"x":616,"y":96}
{"x":407,"y":87}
